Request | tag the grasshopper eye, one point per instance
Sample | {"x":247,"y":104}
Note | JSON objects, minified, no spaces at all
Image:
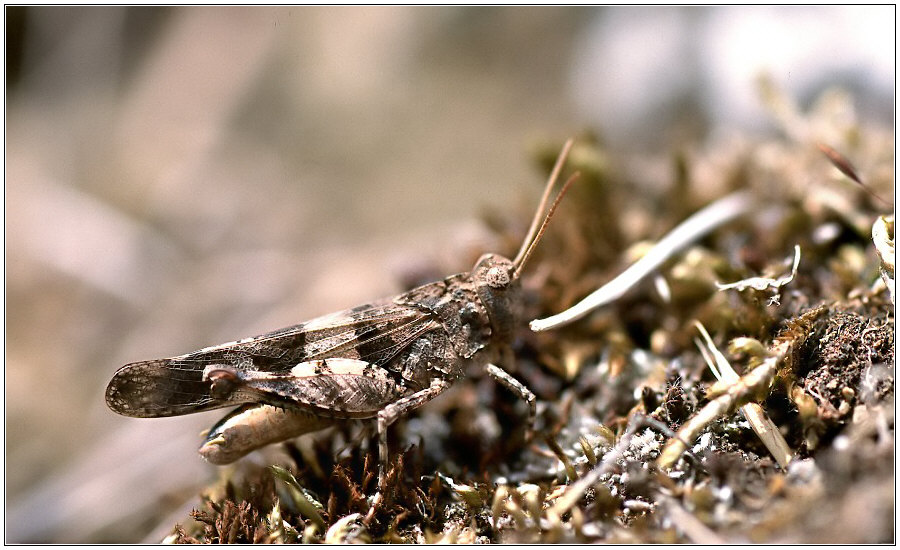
{"x":497,"y":277}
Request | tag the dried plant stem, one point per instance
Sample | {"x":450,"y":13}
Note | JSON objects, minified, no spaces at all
{"x":576,"y":490}
{"x":738,"y":393}
{"x":883,"y":239}
{"x":688,"y":524}
{"x":691,"y":229}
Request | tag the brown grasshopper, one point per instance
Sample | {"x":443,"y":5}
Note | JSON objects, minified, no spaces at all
{"x":378,"y":360}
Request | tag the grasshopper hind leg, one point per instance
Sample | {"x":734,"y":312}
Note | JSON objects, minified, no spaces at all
{"x":388,"y":416}
{"x":395,"y":410}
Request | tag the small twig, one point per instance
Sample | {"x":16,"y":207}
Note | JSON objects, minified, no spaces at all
{"x":691,"y":229}
{"x":738,"y":393}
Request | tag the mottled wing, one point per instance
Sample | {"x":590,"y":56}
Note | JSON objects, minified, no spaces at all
{"x":373,"y":333}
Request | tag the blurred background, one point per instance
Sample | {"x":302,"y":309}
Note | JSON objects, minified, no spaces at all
{"x":183,"y":177}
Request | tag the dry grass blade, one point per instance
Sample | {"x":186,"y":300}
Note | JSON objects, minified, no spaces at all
{"x":763,"y":283}
{"x":846,"y":167}
{"x":840,"y":162}
{"x":687,"y":232}
{"x":307,"y":508}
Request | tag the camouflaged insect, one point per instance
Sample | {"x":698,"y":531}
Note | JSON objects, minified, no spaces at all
{"x":378,"y":360}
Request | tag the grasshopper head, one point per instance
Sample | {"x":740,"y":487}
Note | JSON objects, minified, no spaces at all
{"x":497,"y":278}
{"x":499,"y":290}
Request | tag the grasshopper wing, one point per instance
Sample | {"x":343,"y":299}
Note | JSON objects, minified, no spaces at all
{"x":374,"y":334}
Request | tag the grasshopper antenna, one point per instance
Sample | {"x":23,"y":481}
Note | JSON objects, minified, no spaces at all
{"x":537,"y":227}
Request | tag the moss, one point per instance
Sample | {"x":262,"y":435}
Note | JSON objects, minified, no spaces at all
{"x":465,"y":472}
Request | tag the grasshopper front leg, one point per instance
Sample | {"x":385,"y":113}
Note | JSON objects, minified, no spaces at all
{"x":523,"y":393}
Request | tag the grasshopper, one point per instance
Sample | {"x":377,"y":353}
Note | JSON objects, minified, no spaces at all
{"x":379,"y":360}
